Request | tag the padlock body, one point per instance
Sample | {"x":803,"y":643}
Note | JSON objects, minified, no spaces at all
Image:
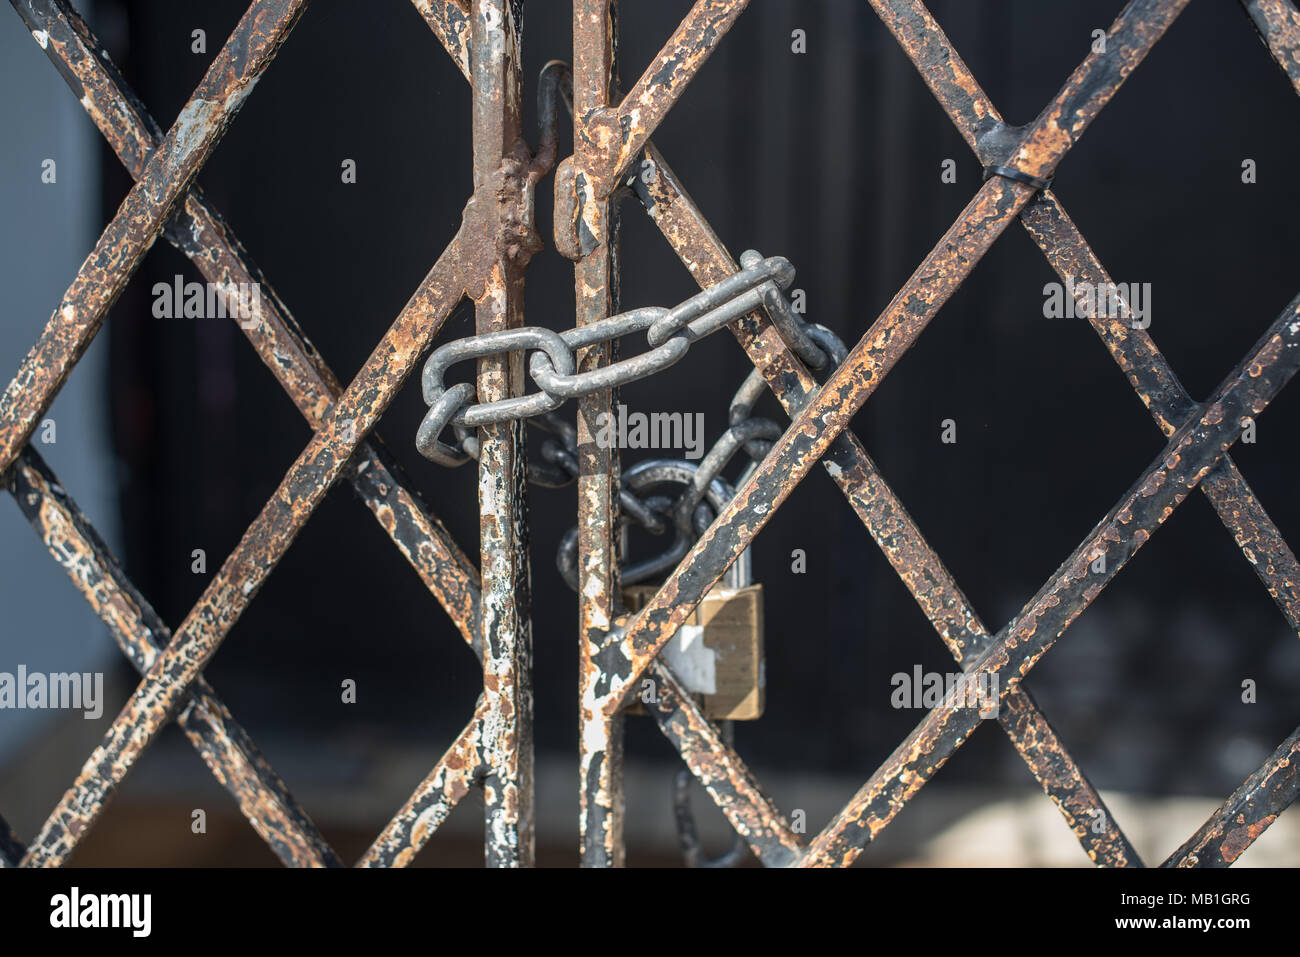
{"x":718,"y":653}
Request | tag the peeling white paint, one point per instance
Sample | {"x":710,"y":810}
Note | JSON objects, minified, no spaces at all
{"x":188,"y":128}
{"x":593,"y":738}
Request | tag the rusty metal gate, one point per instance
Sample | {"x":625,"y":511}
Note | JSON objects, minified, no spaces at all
{"x":489,"y":599}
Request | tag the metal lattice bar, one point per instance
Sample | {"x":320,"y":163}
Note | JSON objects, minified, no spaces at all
{"x":1192,"y":451}
{"x":1159,"y":389}
{"x":166,"y":177}
{"x":224,"y":746}
{"x":201,"y":233}
{"x":501,"y":173}
{"x":892,"y":528}
{"x":810,"y":435}
{"x":1278,"y":23}
{"x":262,"y":546}
{"x":486,"y":261}
{"x":449,"y":781}
{"x":600,"y":736}
{"x":203,"y":236}
{"x":438,"y":293}
{"x":1069,"y":254}
{"x":716,"y":766}
{"x":617,"y":134}
{"x":1247,"y":813}
{"x":449,"y":21}
{"x":1260,"y":529}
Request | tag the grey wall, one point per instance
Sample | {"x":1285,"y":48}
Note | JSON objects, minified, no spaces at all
{"x":49,"y":228}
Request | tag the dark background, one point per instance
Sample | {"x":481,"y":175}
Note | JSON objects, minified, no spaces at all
{"x":832,"y":159}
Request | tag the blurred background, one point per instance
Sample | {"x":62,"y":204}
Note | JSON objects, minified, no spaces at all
{"x":172,"y":435}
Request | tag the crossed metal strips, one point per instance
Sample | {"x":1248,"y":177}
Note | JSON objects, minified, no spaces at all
{"x":164,"y":171}
{"x":608,"y":139}
{"x":718,"y":767}
{"x":1037,"y":152}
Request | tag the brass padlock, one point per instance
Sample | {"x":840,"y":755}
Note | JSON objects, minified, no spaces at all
{"x":718,"y":653}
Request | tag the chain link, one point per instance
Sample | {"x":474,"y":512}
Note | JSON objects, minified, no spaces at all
{"x":669,"y":332}
{"x":702,"y":492}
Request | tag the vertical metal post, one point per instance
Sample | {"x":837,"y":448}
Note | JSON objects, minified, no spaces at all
{"x":500,"y":167}
{"x":600,"y":814}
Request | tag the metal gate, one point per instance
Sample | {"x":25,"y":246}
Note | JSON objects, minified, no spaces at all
{"x":489,"y":599}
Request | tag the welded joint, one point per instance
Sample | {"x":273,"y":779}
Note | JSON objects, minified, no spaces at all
{"x":501,"y":215}
{"x":998,"y":146}
{"x":996,"y":142}
{"x":498,"y":224}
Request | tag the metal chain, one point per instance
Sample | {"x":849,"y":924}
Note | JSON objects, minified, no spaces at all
{"x":703,"y":491}
{"x":669,"y":332}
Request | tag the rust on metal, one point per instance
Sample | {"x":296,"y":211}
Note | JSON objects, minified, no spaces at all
{"x":593,"y":220}
{"x":612,"y":136}
{"x":1069,"y":254}
{"x":163,"y":182}
{"x":1278,"y":23}
{"x":450,"y":22}
{"x":486,"y":261}
{"x":1256,"y":804}
{"x":264,"y":543}
{"x":502,"y":177}
{"x":1043,"y":145}
{"x":220,"y":741}
{"x":201,"y":233}
{"x":721,"y":771}
{"x":885,"y":517}
{"x":428,"y":806}
{"x":1166,"y":483}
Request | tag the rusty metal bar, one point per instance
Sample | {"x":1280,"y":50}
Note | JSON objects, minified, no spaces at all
{"x":200,"y":232}
{"x":1043,"y":145}
{"x":449,"y":20}
{"x":722,"y":772}
{"x":600,"y":735}
{"x":888,"y":521}
{"x":1278,"y":23}
{"x":450,"y":780}
{"x":1241,"y":819}
{"x":847,"y":463}
{"x":614,"y":136}
{"x":346,"y":425}
{"x":1163,"y":394}
{"x":501,"y":167}
{"x":486,"y":261}
{"x":166,"y":177}
{"x":1165,"y":484}
{"x":225,"y":747}
{"x":1134,"y":351}
{"x":814,"y":428}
